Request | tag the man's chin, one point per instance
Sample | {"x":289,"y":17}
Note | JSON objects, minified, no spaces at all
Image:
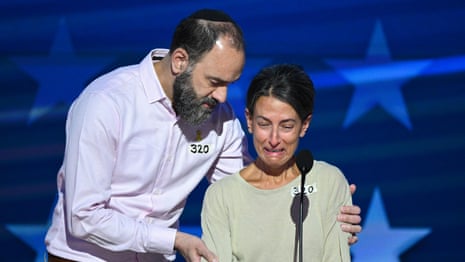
{"x":197,"y":121}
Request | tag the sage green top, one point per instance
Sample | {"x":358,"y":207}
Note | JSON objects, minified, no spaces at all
{"x":243,"y":223}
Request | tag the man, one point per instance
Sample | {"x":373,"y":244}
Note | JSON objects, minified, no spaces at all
{"x":140,"y":139}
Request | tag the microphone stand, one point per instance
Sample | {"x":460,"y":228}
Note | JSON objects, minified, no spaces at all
{"x":301,"y":217}
{"x":304,"y":161}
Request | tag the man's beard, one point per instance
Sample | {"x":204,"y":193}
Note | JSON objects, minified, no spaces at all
{"x":186,"y":104}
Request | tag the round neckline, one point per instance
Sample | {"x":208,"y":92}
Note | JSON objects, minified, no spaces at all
{"x":268,"y":191}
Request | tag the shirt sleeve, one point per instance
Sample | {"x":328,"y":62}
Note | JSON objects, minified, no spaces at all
{"x":215,"y":223}
{"x":336,"y":247}
{"x":234,"y":155}
{"x":90,"y":156}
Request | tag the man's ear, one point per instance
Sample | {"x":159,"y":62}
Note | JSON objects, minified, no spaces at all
{"x":305,"y":125}
{"x":179,"y":60}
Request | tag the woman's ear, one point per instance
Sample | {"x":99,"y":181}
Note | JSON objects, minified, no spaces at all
{"x":179,"y":61}
{"x":248,"y":117}
{"x":305,"y":125}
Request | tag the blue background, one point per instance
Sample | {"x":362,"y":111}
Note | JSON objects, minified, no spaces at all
{"x":390,"y":105}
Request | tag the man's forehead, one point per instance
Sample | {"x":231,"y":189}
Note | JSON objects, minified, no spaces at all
{"x":222,"y":64}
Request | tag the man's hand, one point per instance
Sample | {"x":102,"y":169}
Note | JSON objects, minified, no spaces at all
{"x":193,"y":248}
{"x":350,"y":217}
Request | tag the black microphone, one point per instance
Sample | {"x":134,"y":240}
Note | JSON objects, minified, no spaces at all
{"x":304,"y":161}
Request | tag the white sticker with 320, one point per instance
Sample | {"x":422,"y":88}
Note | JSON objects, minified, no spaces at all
{"x":202,"y":149}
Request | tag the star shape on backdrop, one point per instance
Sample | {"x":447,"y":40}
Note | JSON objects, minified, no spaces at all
{"x":33,"y":236}
{"x":378,"y":80}
{"x":380,"y":241}
{"x":61,"y":75}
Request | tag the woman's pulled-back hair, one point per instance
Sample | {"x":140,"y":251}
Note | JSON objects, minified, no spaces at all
{"x":286,"y":82}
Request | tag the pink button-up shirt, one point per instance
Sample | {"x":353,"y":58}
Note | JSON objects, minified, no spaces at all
{"x":129,"y":166}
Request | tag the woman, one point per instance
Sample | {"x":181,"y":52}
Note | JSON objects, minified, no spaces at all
{"x":252,"y":215}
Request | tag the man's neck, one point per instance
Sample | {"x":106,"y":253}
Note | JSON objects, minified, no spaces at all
{"x":165,"y":76}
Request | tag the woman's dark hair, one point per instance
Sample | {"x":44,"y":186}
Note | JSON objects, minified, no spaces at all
{"x":286,"y":82}
{"x":198,"y":33}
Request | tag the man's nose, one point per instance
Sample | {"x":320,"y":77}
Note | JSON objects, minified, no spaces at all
{"x":220,"y":94}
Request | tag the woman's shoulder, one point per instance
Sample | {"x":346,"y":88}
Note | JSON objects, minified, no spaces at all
{"x":325,"y":166}
{"x":327,"y":171}
{"x":226,"y":182}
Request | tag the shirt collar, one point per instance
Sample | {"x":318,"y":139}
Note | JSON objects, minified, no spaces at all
{"x":149,"y":78}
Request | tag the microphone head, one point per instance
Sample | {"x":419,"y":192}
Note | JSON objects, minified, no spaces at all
{"x":304,"y":161}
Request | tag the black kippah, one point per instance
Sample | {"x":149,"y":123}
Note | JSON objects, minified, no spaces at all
{"x":212,"y":15}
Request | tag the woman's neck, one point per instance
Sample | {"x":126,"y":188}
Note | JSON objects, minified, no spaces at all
{"x":264,"y":177}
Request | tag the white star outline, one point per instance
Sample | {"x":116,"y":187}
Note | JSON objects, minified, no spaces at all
{"x":61,"y":75}
{"x":378,"y":80}
{"x":380,"y":242}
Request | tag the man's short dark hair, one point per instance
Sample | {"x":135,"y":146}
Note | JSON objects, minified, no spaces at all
{"x":198,"y":33}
